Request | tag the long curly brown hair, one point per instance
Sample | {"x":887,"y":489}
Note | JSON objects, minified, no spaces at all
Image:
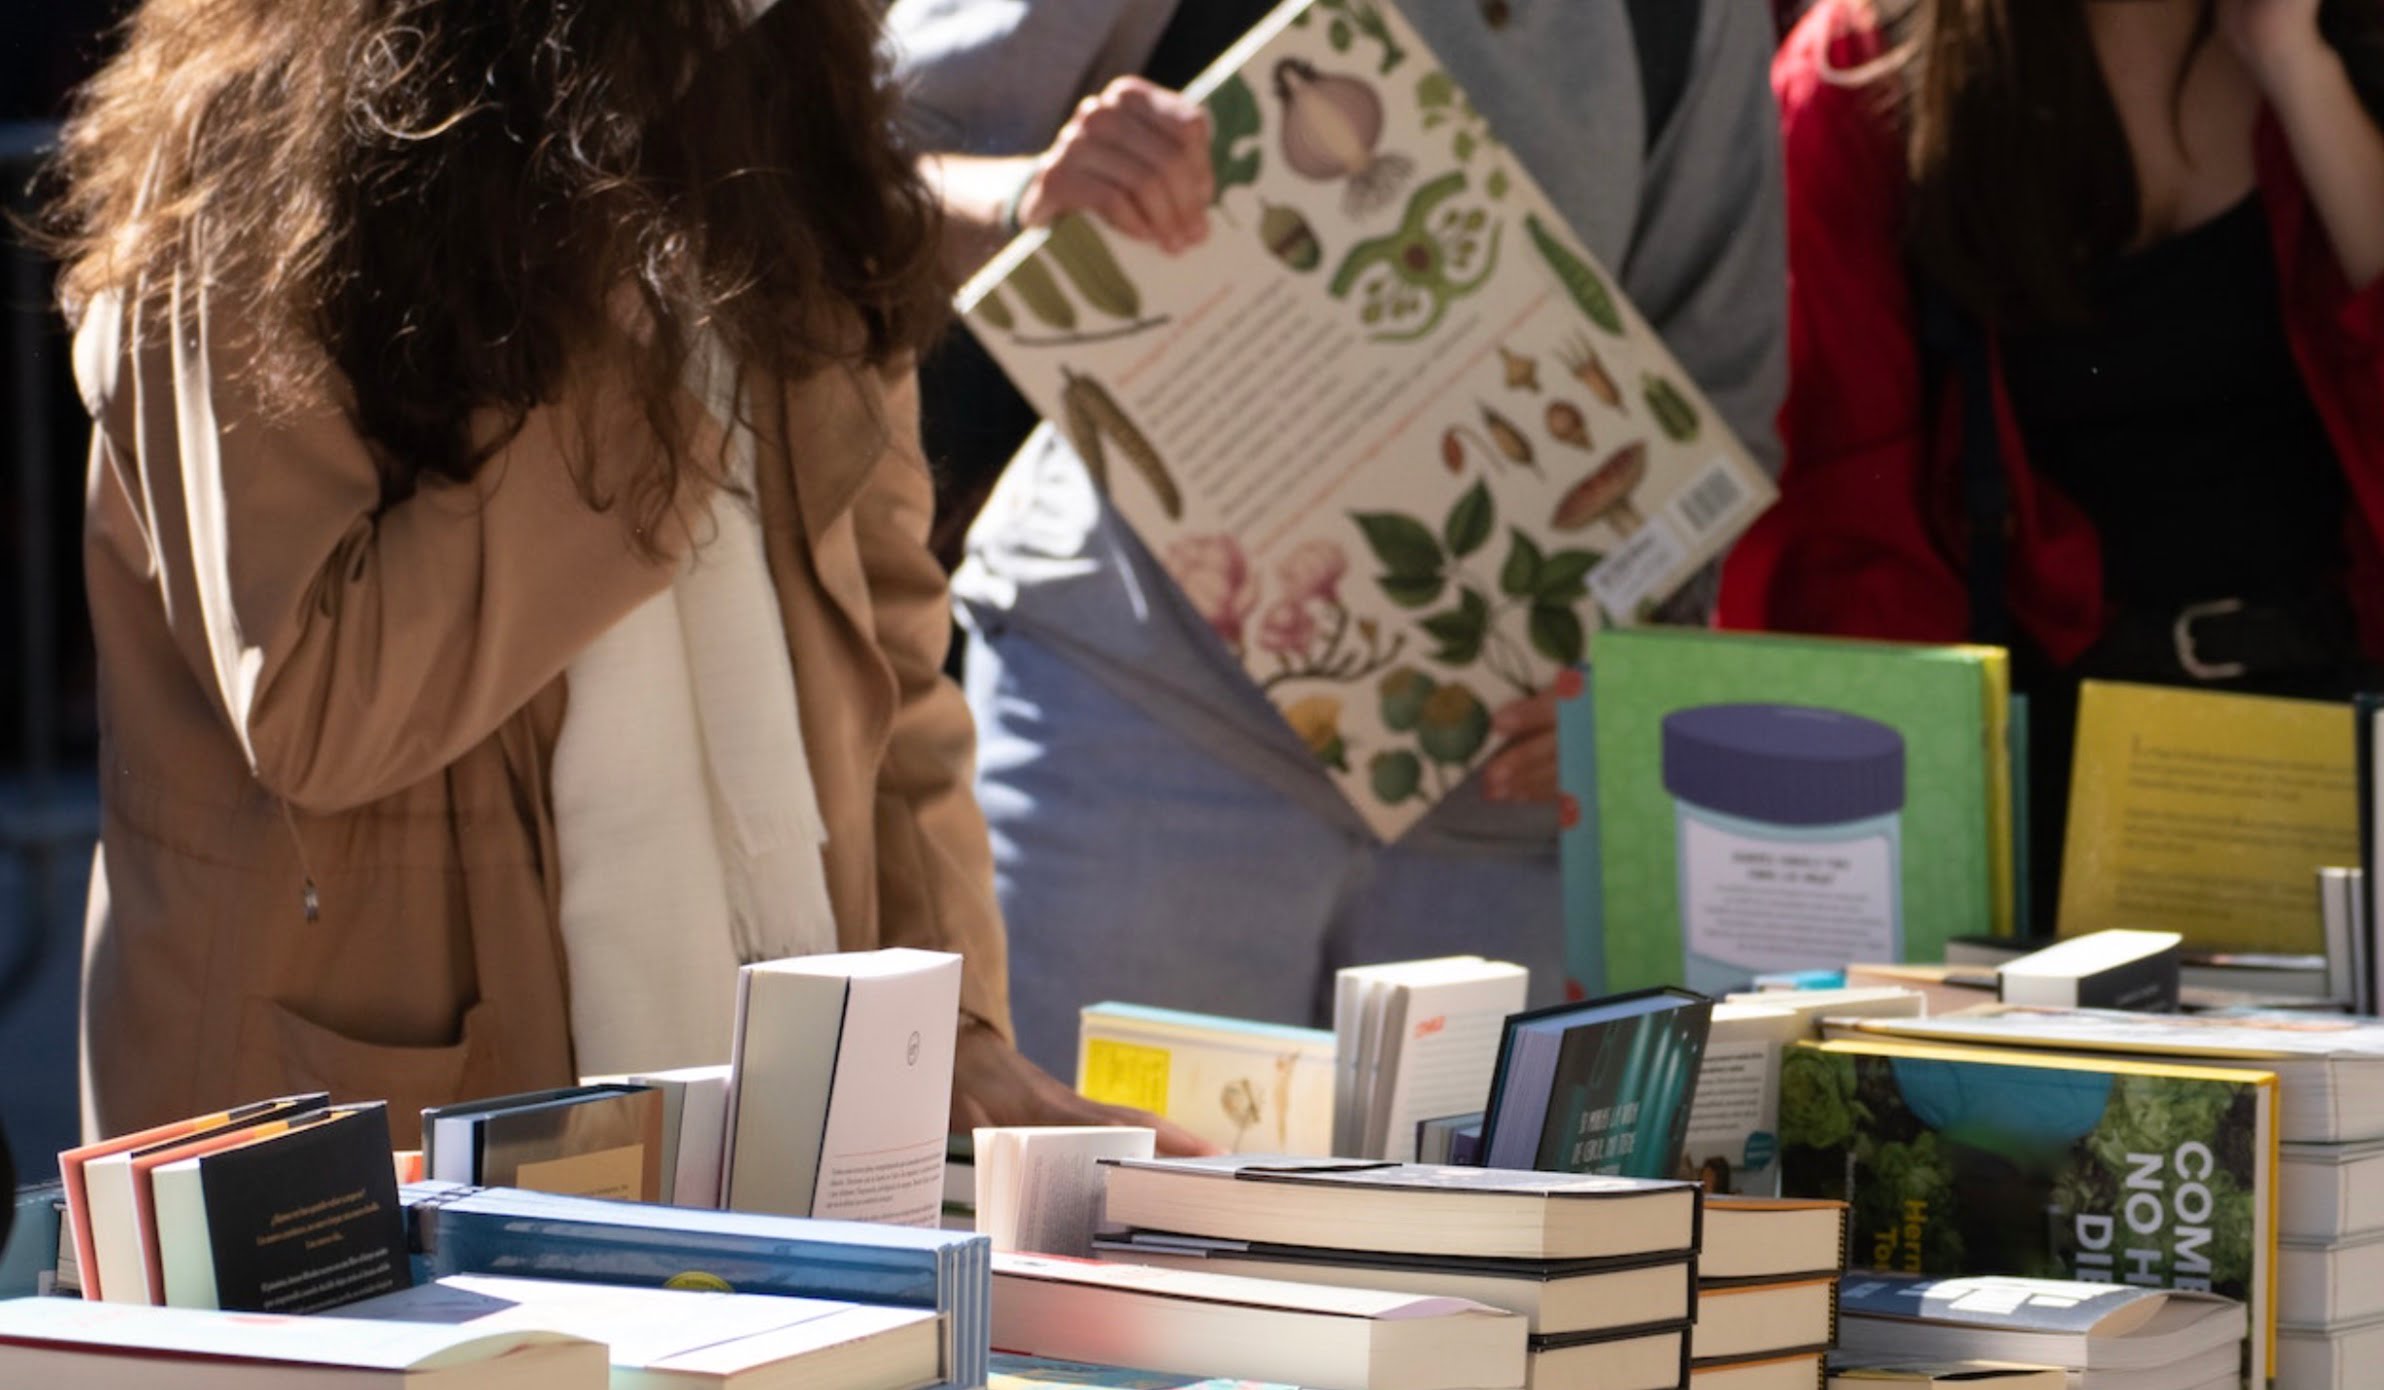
{"x":448,"y":205}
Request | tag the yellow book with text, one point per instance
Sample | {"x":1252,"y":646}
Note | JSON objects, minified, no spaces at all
{"x":2208,"y":815}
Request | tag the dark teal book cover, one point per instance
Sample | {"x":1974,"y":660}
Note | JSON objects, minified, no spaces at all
{"x":1603,"y":1087}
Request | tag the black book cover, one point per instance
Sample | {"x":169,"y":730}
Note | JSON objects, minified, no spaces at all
{"x":308,"y":1220}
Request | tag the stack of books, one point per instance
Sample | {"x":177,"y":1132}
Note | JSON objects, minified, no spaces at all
{"x":285,"y":1206}
{"x":1767,"y":1291}
{"x":2329,"y":1233}
{"x":1601,"y":1270}
{"x":2100,"y":1336}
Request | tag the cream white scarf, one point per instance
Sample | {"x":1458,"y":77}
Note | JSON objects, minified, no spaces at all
{"x":689,"y":830}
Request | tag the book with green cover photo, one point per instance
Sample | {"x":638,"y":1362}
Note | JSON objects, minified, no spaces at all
{"x":1977,"y":1161}
{"x":1783,"y":803}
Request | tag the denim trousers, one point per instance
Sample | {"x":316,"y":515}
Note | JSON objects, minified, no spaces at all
{"x":1135,"y":865}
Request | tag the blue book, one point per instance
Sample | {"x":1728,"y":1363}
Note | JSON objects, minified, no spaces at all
{"x":541,"y":1236}
{"x":1577,"y":838}
{"x":1602,"y":1087}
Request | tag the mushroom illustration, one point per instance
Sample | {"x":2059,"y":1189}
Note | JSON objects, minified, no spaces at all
{"x":1605,"y":495}
{"x":1567,"y":425}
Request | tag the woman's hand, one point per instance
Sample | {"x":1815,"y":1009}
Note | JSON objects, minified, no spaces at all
{"x":1524,"y":769}
{"x":1137,"y":155}
{"x":2275,"y":39}
{"x":994,"y":1084}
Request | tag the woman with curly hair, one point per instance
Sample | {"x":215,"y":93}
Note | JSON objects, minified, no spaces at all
{"x":501,"y":410}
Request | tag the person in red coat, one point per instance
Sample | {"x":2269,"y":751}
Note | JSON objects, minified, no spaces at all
{"x":2087,"y":344}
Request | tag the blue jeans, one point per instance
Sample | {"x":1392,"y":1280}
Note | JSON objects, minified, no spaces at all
{"x":1133,"y":865}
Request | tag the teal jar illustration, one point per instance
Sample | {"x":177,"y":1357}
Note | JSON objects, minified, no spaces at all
{"x":1790,"y":838}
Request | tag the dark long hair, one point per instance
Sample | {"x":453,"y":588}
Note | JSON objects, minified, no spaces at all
{"x":2021,"y":176}
{"x":453,"y":205}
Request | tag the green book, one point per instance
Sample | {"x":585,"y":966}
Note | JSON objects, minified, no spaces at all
{"x":2039,"y":1165}
{"x":1778,"y":803}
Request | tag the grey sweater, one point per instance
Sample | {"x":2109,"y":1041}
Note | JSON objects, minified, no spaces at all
{"x":1693,"y":226}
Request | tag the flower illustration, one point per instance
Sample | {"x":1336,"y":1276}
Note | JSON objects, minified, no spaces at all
{"x":1288,"y":629}
{"x":1215,"y":576}
{"x":1317,"y":720}
{"x":1313,"y":570}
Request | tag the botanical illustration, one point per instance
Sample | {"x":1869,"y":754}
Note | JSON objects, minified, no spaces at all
{"x":1096,"y":421}
{"x":1354,"y":19}
{"x":1424,"y":266}
{"x":1395,"y":435}
{"x":1332,"y":128}
{"x":1445,"y":107}
{"x":1077,"y":248}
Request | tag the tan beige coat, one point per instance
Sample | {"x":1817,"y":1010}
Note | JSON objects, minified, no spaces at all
{"x":296,"y":682}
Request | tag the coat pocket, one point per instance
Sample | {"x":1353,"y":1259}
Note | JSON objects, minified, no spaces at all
{"x":283,"y":1051}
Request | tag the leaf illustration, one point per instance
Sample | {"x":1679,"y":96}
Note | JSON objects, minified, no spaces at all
{"x":1462,"y":630}
{"x":1465,"y":145}
{"x":1496,"y":184}
{"x":1435,"y":90}
{"x":1403,"y":544}
{"x":1413,"y":591}
{"x":1341,"y":35}
{"x":1556,"y":633}
{"x":1234,"y":119}
{"x":1561,"y":578}
{"x":1520,"y":577}
{"x":1470,"y":521}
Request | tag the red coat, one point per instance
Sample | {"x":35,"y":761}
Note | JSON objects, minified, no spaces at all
{"x":1865,"y":540}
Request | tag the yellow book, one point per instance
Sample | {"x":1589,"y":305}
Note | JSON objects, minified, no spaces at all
{"x":2208,"y":815}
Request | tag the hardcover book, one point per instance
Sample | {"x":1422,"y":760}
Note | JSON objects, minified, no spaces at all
{"x":1979,"y":1161}
{"x":1406,"y":1208}
{"x":602,"y":1140}
{"x":1790,"y":803}
{"x":1393,"y":431}
{"x":2208,"y":814}
{"x":1602,"y":1087}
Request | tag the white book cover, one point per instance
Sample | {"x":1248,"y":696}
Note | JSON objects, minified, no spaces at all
{"x":1441,"y":1049}
{"x":1393,"y":431}
{"x":842,"y":1086}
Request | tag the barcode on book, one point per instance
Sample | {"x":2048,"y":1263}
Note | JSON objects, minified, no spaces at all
{"x":1708,"y":503}
{"x":1643,"y":568}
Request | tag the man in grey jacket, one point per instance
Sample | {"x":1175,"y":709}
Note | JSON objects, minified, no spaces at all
{"x":1161,"y":835}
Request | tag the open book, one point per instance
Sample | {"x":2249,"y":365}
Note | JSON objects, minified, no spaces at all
{"x":1393,"y":431}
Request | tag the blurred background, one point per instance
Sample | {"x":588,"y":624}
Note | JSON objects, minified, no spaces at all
{"x":49,"y":804}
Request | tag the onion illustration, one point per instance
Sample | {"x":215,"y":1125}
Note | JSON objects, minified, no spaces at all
{"x":1331,"y":125}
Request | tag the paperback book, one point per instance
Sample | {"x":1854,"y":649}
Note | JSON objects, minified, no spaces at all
{"x":1393,"y":430}
{"x":1244,"y":1086}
